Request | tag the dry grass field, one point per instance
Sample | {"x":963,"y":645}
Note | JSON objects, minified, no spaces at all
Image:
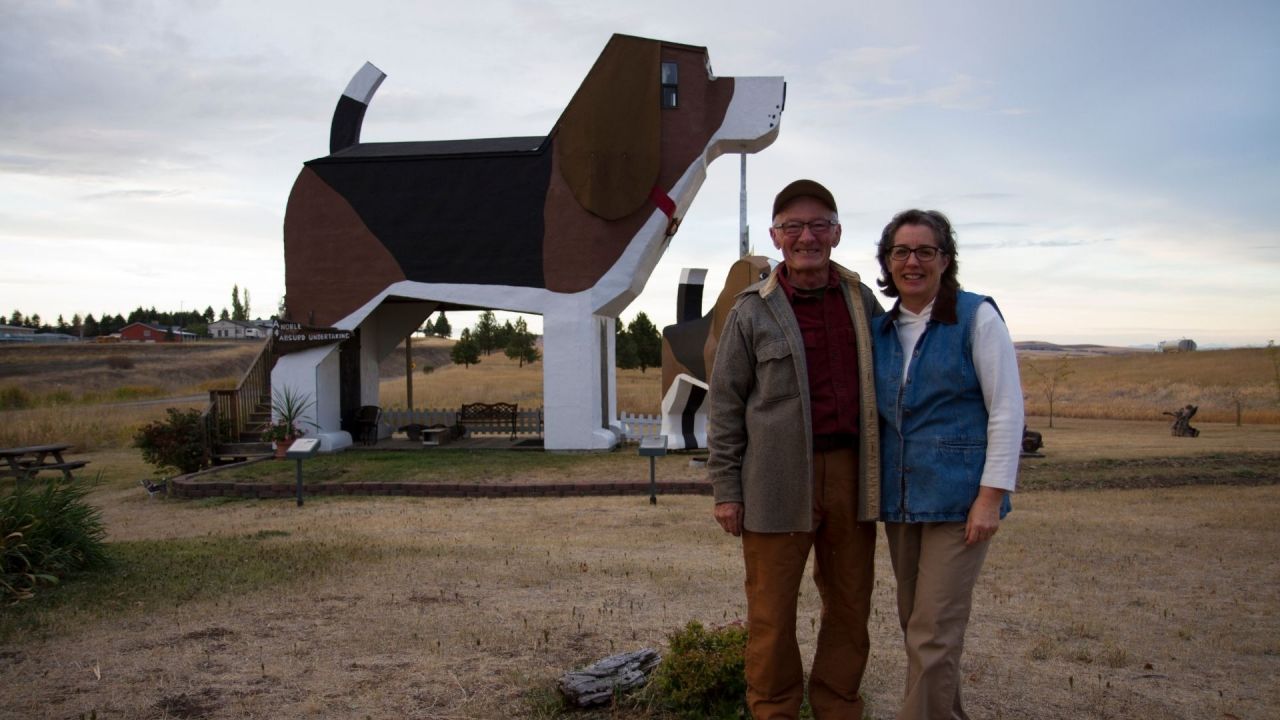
{"x":1102,"y":603}
{"x":95,"y":396}
{"x":78,"y":389}
{"x":1122,"y":386}
{"x":1136,"y":578}
{"x":1142,"y":385}
{"x":500,"y":379}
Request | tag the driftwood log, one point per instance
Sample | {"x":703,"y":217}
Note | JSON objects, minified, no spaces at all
{"x":596,"y":684}
{"x":1182,"y":422}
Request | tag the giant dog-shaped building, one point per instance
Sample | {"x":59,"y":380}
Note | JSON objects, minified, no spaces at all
{"x":570,"y":226}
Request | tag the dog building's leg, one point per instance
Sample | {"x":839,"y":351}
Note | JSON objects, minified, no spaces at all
{"x":578,"y":380}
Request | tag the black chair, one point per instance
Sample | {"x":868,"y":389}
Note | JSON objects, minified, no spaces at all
{"x":366,"y":423}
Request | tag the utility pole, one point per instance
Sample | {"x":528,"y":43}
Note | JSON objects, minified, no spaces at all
{"x":408,"y":371}
{"x":744,"y":232}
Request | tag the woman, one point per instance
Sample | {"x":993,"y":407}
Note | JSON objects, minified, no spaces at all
{"x":950,"y":405}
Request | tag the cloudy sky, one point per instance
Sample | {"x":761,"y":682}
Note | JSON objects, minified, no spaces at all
{"x":1113,"y":168}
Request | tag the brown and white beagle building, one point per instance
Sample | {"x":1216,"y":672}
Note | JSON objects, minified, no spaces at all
{"x":570,"y":226}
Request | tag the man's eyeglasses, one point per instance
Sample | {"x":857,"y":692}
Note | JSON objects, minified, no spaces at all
{"x":793,"y":228}
{"x":924,"y":253}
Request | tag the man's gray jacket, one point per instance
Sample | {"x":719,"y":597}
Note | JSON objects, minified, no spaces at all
{"x":760,"y":428}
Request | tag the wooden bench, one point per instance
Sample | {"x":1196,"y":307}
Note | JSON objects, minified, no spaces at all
{"x":492,"y":417}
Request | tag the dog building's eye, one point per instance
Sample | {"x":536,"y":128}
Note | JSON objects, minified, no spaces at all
{"x":670,"y":83}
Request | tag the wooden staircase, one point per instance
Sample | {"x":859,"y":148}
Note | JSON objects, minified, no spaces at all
{"x":235,"y":418}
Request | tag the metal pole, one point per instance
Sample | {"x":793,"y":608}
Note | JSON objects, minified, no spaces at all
{"x":744,"y":246}
{"x":408,"y":371}
{"x":653,"y":483}
{"x":299,"y":475}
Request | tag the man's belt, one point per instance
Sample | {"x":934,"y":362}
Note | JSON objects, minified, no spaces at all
{"x":834,"y":441}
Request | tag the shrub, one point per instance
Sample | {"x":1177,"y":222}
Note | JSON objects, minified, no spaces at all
{"x":45,"y":535}
{"x":13,"y":397}
{"x":125,"y":393}
{"x":59,"y":397}
{"x":702,"y":675}
{"x":177,"y":442}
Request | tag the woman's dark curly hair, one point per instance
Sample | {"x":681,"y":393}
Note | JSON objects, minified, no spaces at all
{"x":942,"y":234}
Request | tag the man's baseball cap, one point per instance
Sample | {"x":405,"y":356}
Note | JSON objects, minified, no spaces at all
{"x":803,"y":188}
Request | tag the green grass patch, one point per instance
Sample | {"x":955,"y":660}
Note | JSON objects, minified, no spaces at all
{"x":13,"y":397}
{"x":440,"y":465}
{"x":151,"y":575}
{"x":125,"y":393}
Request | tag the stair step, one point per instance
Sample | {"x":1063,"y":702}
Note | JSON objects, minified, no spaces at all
{"x":241,"y":451}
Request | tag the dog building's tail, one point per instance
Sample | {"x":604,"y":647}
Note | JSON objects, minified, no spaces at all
{"x":349,"y":115}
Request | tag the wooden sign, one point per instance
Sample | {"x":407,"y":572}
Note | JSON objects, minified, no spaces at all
{"x":291,"y":337}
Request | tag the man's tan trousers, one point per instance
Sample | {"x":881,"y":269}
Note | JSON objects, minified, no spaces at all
{"x":844,"y":571}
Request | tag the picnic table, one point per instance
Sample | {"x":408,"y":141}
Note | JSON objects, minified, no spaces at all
{"x":24,"y":462}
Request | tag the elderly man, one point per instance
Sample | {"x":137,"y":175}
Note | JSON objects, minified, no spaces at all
{"x":794,"y":459}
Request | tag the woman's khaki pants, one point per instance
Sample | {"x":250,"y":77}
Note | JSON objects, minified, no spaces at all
{"x":844,"y":572}
{"x":936,"y":572}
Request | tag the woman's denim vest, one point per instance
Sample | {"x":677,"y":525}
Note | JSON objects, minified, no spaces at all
{"x":933,"y":428}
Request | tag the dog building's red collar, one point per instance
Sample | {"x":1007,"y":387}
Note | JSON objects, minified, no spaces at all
{"x":668,"y":208}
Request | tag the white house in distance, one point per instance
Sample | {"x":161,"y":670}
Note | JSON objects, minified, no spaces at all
{"x":239,"y":329}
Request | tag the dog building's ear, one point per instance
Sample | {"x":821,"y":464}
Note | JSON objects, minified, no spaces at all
{"x":608,"y":140}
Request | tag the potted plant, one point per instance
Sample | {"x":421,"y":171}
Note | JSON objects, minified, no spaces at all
{"x":287,"y":409}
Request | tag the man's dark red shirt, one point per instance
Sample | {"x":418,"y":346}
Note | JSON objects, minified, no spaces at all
{"x":831,"y":355}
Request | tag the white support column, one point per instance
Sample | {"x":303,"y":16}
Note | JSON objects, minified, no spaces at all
{"x":313,"y":374}
{"x":579,"y":385}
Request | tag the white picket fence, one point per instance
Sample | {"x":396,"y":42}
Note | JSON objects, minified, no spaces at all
{"x":528,"y":422}
{"x":636,"y":426}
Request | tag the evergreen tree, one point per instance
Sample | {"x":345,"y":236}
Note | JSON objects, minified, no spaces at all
{"x":237,"y":309}
{"x":77,"y":325}
{"x":486,"y":332}
{"x":208,"y":314}
{"x":34,"y":321}
{"x":465,"y":352}
{"x":521,"y":345}
{"x":248,"y":313}
{"x":15,"y":319}
{"x":443,"y":328}
{"x":224,"y":315}
{"x":90,"y":326}
{"x":624,"y":348}
{"x":648,"y":341}
{"x":502,"y":336}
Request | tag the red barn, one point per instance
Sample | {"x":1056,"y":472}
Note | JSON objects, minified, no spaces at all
{"x":144,"y":332}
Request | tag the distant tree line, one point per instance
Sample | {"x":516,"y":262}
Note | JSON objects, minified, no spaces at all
{"x":638,"y":344}
{"x":513,"y":339}
{"x":439,"y":327}
{"x":106,"y":323}
{"x":89,"y":325}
